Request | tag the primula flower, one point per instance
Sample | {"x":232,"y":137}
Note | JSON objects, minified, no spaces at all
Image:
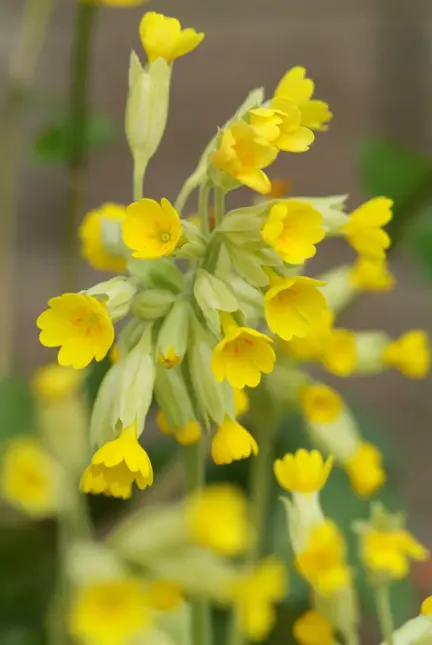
{"x":320,"y":403}
{"x":241,"y":402}
{"x":163,"y":37}
{"x":165,"y":595}
{"x":151,"y":230}
{"x":80,"y":325}
{"x":339,"y":352}
{"x":410,"y":354}
{"x":311,"y":628}
{"x":232,"y":442}
{"x":53,"y":382}
{"x":280,"y":126}
{"x":303,"y":472}
{"x":371,"y":275}
{"x":299,"y":89}
{"x":242,"y":154}
{"x":364,"y":228}
{"x":109,"y":612}
{"x":190,"y":434}
{"x":169,"y":358}
{"x":293,"y":229}
{"x":364,"y":468}
{"x":92,"y":241}
{"x":387,"y":553}
{"x":292,"y":306}
{"x":116,"y":465}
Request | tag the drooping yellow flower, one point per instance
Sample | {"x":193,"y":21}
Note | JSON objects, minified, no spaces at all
{"x":232,"y":442}
{"x":320,"y":403}
{"x":299,"y":89}
{"x":109,"y":612}
{"x":293,"y":306}
{"x":151,"y":230}
{"x":170,"y":358}
{"x":217,"y":519}
{"x":242,"y":355}
{"x":365,"y":470}
{"x":242,"y":154}
{"x":303,"y":472}
{"x":29,"y":478}
{"x":388,"y":553}
{"x":311,"y":347}
{"x":163,"y":37}
{"x":311,"y":628}
{"x":80,"y":326}
{"x":371,"y":275}
{"x":426,"y":607}
{"x":280,"y":125}
{"x":364,"y":228}
{"x":241,"y":402}
{"x":53,"y":382}
{"x":116,"y":465}
{"x":186,"y":436}
{"x":254,"y":595}
{"x":165,"y":595}
{"x":323,"y":561}
{"x":410,"y":354}
{"x":92,"y":242}
{"x":339,"y":352}
{"x":293,"y":229}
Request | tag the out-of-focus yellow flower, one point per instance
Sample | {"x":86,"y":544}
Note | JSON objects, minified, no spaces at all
{"x":311,"y":628}
{"x":53,"y":382}
{"x":292,"y":306}
{"x":117,"y":465}
{"x":114,"y":354}
{"x":254,"y":595}
{"x":323,"y":561}
{"x":80,"y":325}
{"x":151,"y":230}
{"x":303,"y":472}
{"x":186,"y":436}
{"x":279,"y":188}
{"x":311,"y":346}
{"x":320,"y":403}
{"x":364,"y":228}
{"x":165,"y":595}
{"x":426,"y":608}
{"x":293,"y":229}
{"x":29,"y":478}
{"x":217,"y":519}
{"x":410,"y":354}
{"x":241,"y":402}
{"x":242,"y":355}
{"x":339,"y":352}
{"x":232,"y":442}
{"x":387,"y":553}
{"x":170,"y":358}
{"x":109,"y":612}
{"x":371,"y":275}
{"x":163,"y":37}
{"x":299,"y":89}
{"x":91,"y":236}
{"x":280,"y":125}
{"x":242,"y":154}
{"x":365,"y":470}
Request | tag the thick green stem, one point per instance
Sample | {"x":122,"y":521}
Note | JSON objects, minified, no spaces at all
{"x":203,"y":208}
{"x":384,"y":613}
{"x":219,"y":205}
{"x":77,"y":140}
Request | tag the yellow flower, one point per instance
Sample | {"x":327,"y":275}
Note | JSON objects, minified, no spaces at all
{"x":114,"y":354}
{"x":242,"y":154}
{"x":109,"y":612}
{"x":29,"y":478}
{"x":365,"y":470}
{"x":311,"y":628}
{"x":170,"y":358}
{"x":186,"y":436}
{"x":311,"y":346}
{"x":217,"y":519}
{"x":292,"y":230}
{"x":53,"y":382}
{"x":426,"y":608}
{"x":364,"y":228}
{"x":117,"y":465}
{"x":91,"y":236}
{"x":163,"y":37}
{"x":303,"y":472}
{"x":299,"y":89}
{"x":151,"y":230}
{"x":388,"y":553}
{"x":371,"y":275}
{"x":254,"y":595}
{"x":339,"y":353}
{"x":292,"y":306}
{"x":80,"y":325}
{"x":320,"y":403}
{"x":241,"y":402}
{"x":410,"y":354}
{"x":323,"y":561}
{"x":165,"y":595}
{"x":279,"y":125}
{"x":242,"y":355}
{"x":232,"y":442}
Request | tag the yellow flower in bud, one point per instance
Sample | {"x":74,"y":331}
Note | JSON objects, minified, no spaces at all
{"x":80,"y":325}
{"x":116,"y":465}
{"x":242,"y":154}
{"x":293,"y":229}
{"x":165,"y":595}
{"x":371,"y":275}
{"x":163,"y":37}
{"x":387,"y":553}
{"x":91,"y":237}
{"x":299,"y":89}
{"x":339,"y":352}
{"x":303,"y":472}
{"x":241,"y":402}
{"x":311,"y":628}
{"x":217,"y":519}
{"x":365,"y":470}
{"x":293,"y":306}
{"x":279,"y":125}
{"x":364,"y":228}
{"x":426,"y":608}
{"x":151,"y":230}
{"x":170,"y":358}
{"x":320,"y":403}
{"x":323,"y":562}
{"x":53,"y":382}
{"x":311,"y":346}
{"x":109,"y":612}
{"x":279,"y":188}
{"x":410,"y":354}
{"x":254,"y":595}
{"x":186,"y":436}
{"x":232,"y":442}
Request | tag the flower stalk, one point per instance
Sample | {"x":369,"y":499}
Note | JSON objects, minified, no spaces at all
{"x":384,"y":613}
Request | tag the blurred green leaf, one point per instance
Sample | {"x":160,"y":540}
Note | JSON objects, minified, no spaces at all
{"x":16,"y":407}
{"x":420,"y":240}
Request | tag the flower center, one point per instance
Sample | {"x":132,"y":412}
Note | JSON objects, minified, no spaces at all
{"x":165,"y":237}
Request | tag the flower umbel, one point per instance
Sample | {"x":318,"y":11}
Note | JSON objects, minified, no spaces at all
{"x":302,"y":472}
{"x":163,"y":37}
{"x":151,"y":230}
{"x":232,"y":442}
{"x":91,"y":235}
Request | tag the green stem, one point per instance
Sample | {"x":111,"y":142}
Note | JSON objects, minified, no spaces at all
{"x":384,"y":613}
{"x":219,"y":205}
{"x":138,"y":178}
{"x":203,"y":208}
{"x":77,"y":139}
